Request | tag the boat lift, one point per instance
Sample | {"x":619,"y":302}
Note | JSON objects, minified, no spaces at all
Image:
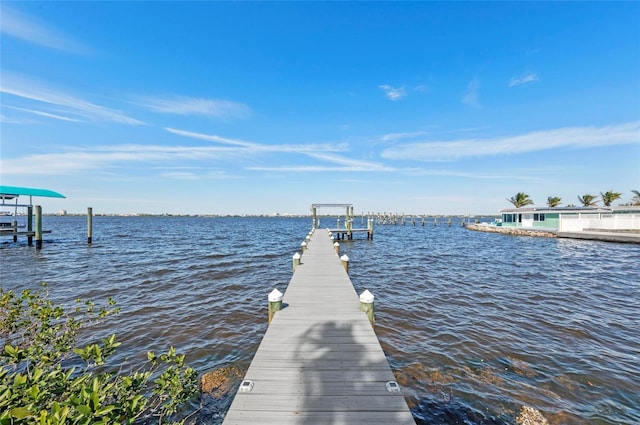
{"x":10,"y":193}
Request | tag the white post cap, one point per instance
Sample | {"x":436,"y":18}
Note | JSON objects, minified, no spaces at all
{"x":345,"y":258}
{"x":275,"y":296}
{"x":296,"y":256}
{"x":366,"y":297}
{"x":303,"y":244}
{"x":336,"y":244}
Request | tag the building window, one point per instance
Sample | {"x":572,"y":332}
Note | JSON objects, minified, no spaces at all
{"x":510,"y":218}
{"x":538,"y":217}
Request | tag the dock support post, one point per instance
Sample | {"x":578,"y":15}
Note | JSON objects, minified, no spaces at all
{"x":38,"y":227}
{"x":366,"y":305}
{"x":30,"y":225}
{"x":336,"y":246}
{"x":345,"y":263}
{"x":303,"y":247}
{"x":14,"y":224}
{"x":275,"y":303}
{"x":296,"y":261}
{"x":449,"y":221}
{"x":314,"y":211}
{"x":89,"y":225}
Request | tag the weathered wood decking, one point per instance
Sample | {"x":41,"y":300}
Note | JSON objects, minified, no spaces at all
{"x":320,"y":361}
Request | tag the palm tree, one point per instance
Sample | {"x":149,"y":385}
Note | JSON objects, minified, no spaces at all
{"x":553,"y":201}
{"x":636,"y":197}
{"x":588,"y":200}
{"x":609,"y":197}
{"x":520,"y":200}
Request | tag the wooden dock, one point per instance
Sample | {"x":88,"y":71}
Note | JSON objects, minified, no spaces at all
{"x":320,"y":361}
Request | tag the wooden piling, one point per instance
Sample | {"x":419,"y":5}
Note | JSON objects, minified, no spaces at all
{"x":275,"y":303}
{"x":366,"y":305}
{"x":336,"y":246}
{"x":296,"y":261}
{"x":345,"y":262}
{"x":30,"y":225}
{"x":38,"y":227}
{"x":89,"y":225}
{"x":14,"y":224}
{"x":316,"y":222}
{"x":303,"y":247}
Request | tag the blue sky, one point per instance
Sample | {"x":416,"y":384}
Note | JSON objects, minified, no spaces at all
{"x":250,"y":108}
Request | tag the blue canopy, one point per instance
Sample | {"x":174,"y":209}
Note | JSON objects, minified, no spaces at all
{"x":10,"y":192}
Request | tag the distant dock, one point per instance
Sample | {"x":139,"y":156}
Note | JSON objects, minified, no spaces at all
{"x":320,"y":361}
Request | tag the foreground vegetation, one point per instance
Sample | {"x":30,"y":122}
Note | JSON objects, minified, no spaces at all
{"x":48,"y":378}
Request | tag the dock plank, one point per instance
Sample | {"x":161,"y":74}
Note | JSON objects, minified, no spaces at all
{"x":320,"y":361}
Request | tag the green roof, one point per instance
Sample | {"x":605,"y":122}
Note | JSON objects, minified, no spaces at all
{"x":8,"y":192}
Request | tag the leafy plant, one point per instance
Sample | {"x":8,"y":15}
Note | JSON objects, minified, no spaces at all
{"x":588,"y":200}
{"x":46,"y":378}
{"x":609,"y":196}
{"x":553,"y":201}
{"x":520,"y":199}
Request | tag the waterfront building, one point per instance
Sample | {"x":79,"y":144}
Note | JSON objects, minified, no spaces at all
{"x":572,"y":219}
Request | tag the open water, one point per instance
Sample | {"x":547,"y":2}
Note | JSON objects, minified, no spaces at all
{"x":475,"y":325}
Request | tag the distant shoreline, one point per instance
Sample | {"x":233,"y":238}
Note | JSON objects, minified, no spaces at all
{"x":274,"y":215}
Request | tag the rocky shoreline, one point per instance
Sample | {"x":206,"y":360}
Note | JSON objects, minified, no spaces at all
{"x":514,"y":231}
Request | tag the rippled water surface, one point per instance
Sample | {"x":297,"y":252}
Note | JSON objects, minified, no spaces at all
{"x":475,"y":325}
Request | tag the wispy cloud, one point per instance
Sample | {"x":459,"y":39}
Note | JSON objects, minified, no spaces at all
{"x":390,"y":137}
{"x":182,"y":105}
{"x":524,"y":79}
{"x":211,"y":138}
{"x":569,"y":137}
{"x":19,"y":25}
{"x":393,"y":93}
{"x":104,"y":157}
{"x":253,"y":146}
{"x":337,"y":164}
{"x":44,"y":95}
{"x":199,"y":175}
{"x":353,"y":164}
{"x":504,"y":176}
{"x":181,"y":175}
{"x":42,"y":114}
{"x":472,"y":96}
{"x":308,"y":169}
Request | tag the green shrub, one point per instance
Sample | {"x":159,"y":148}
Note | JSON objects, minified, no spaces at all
{"x":46,"y":378}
